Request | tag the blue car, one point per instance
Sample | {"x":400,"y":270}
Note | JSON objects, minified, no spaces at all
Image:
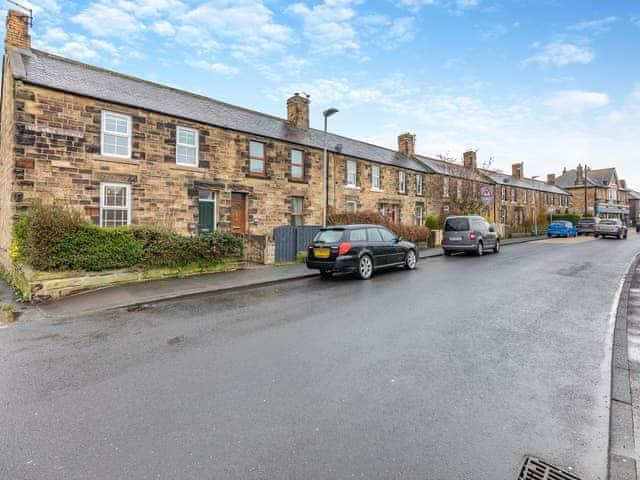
{"x":562,"y":228}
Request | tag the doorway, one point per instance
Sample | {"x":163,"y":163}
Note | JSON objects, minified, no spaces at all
{"x":238,"y":213}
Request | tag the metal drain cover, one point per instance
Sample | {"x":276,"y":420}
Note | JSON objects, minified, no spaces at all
{"x":536,"y":469}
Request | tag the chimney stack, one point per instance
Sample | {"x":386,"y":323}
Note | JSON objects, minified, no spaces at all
{"x":17,"y":34}
{"x":407,"y":144}
{"x":470,"y":160}
{"x":551,"y":178}
{"x":517,"y":170}
{"x":298,"y":110}
{"x":623,"y":184}
{"x":579,"y":177}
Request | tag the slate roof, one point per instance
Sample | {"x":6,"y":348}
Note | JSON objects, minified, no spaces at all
{"x":510,"y":180}
{"x":601,"y":177}
{"x":633,"y":195}
{"x":43,"y":69}
{"x":452,"y":169}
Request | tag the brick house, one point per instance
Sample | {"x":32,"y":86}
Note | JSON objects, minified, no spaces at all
{"x":128,"y":151}
{"x":596,"y":192}
{"x":520,"y":199}
{"x":634,"y":205}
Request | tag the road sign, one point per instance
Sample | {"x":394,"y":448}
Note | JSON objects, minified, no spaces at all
{"x":445,"y":208}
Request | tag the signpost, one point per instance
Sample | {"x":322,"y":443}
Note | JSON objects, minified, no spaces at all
{"x":487,"y":194}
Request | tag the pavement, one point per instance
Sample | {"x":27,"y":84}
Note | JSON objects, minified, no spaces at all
{"x":624,"y":443}
{"x":171,"y":288}
{"x":453,"y":371}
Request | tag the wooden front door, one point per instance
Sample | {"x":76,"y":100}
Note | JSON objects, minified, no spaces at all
{"x":238,"y":213}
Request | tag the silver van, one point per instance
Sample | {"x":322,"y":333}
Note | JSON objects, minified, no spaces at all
{"x":469,"y":233}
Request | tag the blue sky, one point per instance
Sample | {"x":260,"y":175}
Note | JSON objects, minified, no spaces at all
{"x":550,"y":83}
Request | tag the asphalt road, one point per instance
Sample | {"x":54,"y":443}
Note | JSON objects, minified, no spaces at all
{"x":453,"y":371}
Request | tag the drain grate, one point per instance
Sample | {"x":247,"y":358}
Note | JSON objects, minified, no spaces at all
{"x":535,"y":469}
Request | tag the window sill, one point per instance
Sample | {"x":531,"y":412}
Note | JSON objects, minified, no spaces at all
{"x":297,"y":180}
{"x":352,"y":187}
{"x":258,"y":175}
{"x":187,"y":168}
{"x":377,"y":190}
{"x":105,"y":158}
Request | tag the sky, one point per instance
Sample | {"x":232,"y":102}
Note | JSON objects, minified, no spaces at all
{"x":548,"y":83}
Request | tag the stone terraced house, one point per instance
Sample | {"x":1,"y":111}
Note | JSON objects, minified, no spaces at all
{"x":603,"y":195}
{"x":129,"y":151}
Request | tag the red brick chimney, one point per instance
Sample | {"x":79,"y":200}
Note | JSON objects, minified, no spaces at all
{"x":623,"y":183}
{"x":298,"y":110}
{"x":551,"y":178}
{"x":517,"y":170}
{"x":470,"y":160}
{"x":18,"y":30}
{"x":407,"y":144}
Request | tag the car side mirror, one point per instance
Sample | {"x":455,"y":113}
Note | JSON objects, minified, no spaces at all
{"x":397,"y":239}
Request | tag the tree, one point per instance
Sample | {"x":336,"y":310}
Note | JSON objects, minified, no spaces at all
{"x":465,"y":191}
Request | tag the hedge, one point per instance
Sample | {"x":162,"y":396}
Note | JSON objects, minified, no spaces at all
{"x":414,"y":234}
{"x":53,"y":238}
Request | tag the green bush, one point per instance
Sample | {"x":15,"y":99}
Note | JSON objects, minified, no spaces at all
{"x":94,"y":248}
{"x":55,"y":238}
{"x":571,"y":217}
{"x":433,"y":223}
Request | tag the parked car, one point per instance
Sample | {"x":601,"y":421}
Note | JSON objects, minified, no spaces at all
{"x":359,"y":249}
{"x":562,"y":228}
{"x":612,"y":227}
{"x":470,"y":233}
{"x":638,"y":225}
{"x":587,"y":225}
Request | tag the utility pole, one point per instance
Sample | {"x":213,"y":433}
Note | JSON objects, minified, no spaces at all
{"x":585,"y":193}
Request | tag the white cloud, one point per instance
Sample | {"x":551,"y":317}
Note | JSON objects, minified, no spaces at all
{"x":102,"y":19}
{"x":561,"y":54}
{"x":163,"y":27}
{"x":403,"y":29}
{"x":600,"y":25}
{"x":215,"y":67}
{"x":454,"y":6}
{"x":577,"y":100}
{"x":328,"y":25}
{"x":55,"y":34}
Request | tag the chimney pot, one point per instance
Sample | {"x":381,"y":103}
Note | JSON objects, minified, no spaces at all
{"x":298,"y":110}
{"x":17,"y":33}
{"x":407,"y":144}
{"x":470,"y":160}
{"x":517,"y":170}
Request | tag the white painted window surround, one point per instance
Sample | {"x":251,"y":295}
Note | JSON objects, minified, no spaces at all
{"x":115,"y":137}
{"x":186,"y":147}
{"x":115,"y":204}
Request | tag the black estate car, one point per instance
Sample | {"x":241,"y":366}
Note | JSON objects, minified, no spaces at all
{"x":359,"y":249}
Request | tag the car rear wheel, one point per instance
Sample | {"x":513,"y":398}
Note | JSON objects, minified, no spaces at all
{"x":496,"y":249}
{"x":447,"y":253}
{"x":548,"y":235}
{"x":480,"y":249}
{"x":365,"y":267}
{"x":325,"y":274}
{"x":411,"y":260}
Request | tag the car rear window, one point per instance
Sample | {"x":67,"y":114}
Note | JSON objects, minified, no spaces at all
{"x":608,"y":222}
{"x":457,"y":225}
{"x":586,"y":220}
{"x":359,"y":235}
{"x":328,"y":236}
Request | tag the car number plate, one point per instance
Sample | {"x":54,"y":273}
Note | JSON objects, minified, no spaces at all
{"x":321,"y":252}
{"x":455,"y":239}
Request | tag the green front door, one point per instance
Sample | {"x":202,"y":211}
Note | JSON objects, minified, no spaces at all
{"x":206,"y":212}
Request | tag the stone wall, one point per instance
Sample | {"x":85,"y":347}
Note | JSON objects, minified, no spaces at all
{"x":7,"y":165}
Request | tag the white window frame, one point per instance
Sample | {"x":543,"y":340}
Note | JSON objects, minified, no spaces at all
{"x":103,"y":207}
{"x":186,"y":145}
{"x":103,"y":131}
{"x":459,"y":189}
{"x":420,"y":218}
{"x":402,"y":182}
{"x":352,"y":172}
{"x":375,"y":185}
{"x":355,"y":206}
{"x":297,"y":165}
{"x":524,"y":196}
{"x":419,"y":185}
{"x":445,"y":187}
{"x":503,"y":193}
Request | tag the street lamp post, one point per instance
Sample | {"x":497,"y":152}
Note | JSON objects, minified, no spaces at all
{"x":535,"y":209}
{"x":325,"y":181}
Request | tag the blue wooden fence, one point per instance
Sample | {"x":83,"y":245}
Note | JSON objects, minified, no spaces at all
{"x":290,"y":240}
